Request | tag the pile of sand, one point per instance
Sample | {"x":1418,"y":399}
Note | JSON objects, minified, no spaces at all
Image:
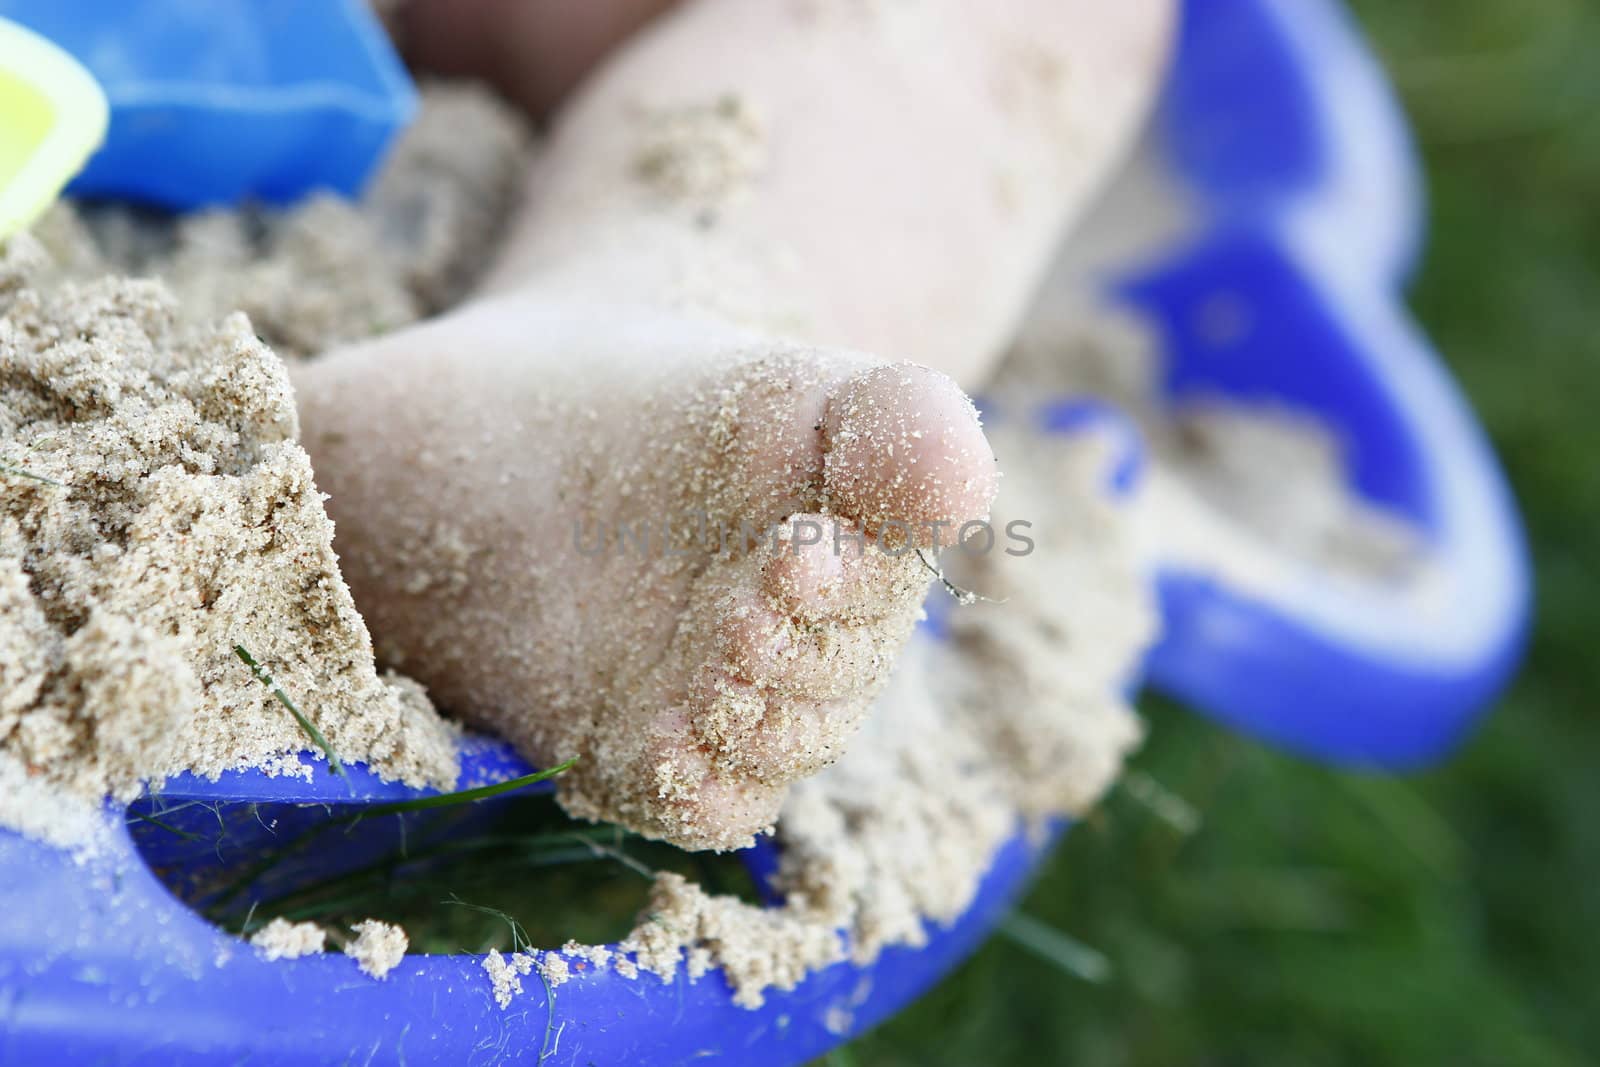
{"x":157,"y":511}
{"x":1249,"y":491}
{"x":328,"y":271}
{"x":156,"y":514}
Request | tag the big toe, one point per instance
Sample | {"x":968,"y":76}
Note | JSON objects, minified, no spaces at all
{"x":905,"y":450}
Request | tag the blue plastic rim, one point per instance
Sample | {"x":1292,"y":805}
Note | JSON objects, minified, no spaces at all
{"x":1279,"y":128}
{"x":1281,"y":124}
{"x":271,"y":101}
{"x":101,"y":964}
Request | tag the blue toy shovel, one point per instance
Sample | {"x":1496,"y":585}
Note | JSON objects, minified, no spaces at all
{"x":1279,"y":123}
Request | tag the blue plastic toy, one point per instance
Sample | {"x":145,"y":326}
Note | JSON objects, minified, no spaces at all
{"x":268,"y":101}
{"x":1282,"y":126}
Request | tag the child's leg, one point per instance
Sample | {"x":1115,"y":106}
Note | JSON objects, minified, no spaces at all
{"x":888,"y":176}
{"x":533,"y":51}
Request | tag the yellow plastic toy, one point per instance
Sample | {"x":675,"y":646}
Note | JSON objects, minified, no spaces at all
{"x":52,"y":117}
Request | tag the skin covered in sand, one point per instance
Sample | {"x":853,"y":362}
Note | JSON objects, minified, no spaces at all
{"x":693,"y":676}
{"x":711,"y":223}
{"x":893,"y":178}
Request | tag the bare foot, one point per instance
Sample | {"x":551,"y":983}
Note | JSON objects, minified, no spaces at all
{"x":561,"y":519}
{"x":873,"y":176}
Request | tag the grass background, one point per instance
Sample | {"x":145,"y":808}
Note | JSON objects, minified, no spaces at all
{"x":1317,"y":917}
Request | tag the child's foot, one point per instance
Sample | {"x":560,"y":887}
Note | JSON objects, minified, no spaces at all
{"x":891,"y":178}
{"x":559,"y":518}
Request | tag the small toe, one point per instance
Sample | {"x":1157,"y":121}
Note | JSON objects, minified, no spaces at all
{"x":699,"y":803}
{"x":806,"y":568}
{"x":826,"y":568}
{"x":797,"y":740}
{"x":794,"y":658}
{"x":750,"y":734}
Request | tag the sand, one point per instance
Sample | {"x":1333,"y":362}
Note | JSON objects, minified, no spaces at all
{"x":378,"y":947}
{"x":506,"y":974}
{"x":281,"y":939}
{"x":700,"y":155}
{"x":157,"y":510}
{"x":327,"y":271}
{"x":156,"y":514}
{"x":1239,"y":488}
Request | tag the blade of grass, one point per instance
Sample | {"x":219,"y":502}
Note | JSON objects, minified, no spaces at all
{"x":965,"y":597}
{"x":373,"y":890}
{"x":519,"y":937}
{"x":546,"y":851}
{"x":334,"y":766}
{"x":1162,"y":802}
{"x":1055,"y":947}
{"x":168,"y":827}
{"x":549,"y":1016}
{"x":1409,"y":819}
{"x":607,"y":852}
{"x":217,"y":909}
{"x":20,"y":473}
{"x":467,"y":796}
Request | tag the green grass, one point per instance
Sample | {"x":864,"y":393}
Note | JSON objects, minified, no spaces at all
{"x":531,"y":877}
{"x":1323,"y":918}
{"x":306,"y":725}
{"x":468,"y":796}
